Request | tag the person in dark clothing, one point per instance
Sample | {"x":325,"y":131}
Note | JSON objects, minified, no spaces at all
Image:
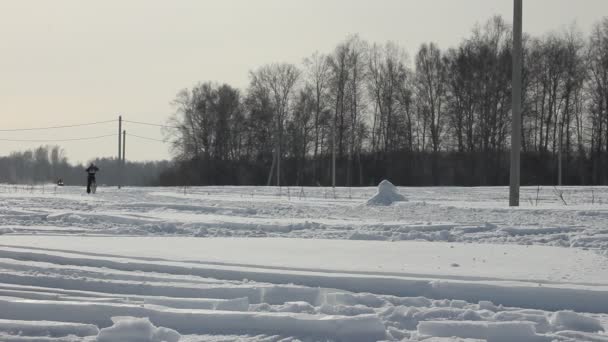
{"x":91,"y":170}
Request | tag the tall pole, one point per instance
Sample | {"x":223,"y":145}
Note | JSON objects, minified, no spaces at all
{"x":124,"y":161}
{"x":516,"y":106}
{"x":559,"y":154}
{"x":279,"y":153}
{"x":333,"y":153}
{"x":119,"y":148}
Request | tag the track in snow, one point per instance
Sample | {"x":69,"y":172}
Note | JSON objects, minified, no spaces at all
{"x":431,"y":214}
{"x":56,"y":285}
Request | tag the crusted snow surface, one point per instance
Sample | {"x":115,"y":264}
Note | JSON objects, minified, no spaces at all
{"x":302,"y":264}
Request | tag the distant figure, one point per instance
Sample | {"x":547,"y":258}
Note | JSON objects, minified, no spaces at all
{"x":91,"y":183}
{"x":60,"y":182}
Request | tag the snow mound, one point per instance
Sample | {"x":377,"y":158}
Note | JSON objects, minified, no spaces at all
{"x":485,"y":331}
{"x":49,"y":329}
{"x":135,"y":329}
{"x":451,"y":339}
{"x":387,"y":194}
{"x":569,"y":320}
{"x":581,"y":336}
{"x":236,"y":304}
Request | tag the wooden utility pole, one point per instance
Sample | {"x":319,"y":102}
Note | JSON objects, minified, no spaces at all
{"x":123,"y":162}
{"x":279,"y":156}
{"x":516,"y":106}
{"x":119,"y":149}
{"x":559,"y":153}
{"x":333,"y":153}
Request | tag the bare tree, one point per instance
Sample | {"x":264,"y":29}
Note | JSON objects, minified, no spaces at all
{"x":389,"y":86}
{"x":280,"y":81}
{"x":318,"y":78}
{"x":431,"y":90}
{"x":431,"y":78}
{"x":300,"y":129}
{"x":357,"y":69}
{"x":598,"y":96}
{"x":340,"y":72}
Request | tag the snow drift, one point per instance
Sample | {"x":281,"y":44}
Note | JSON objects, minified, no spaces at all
{"x":387,"y":194}
{"x":136,"y":330}
{"x":485,"y":331}
{"x":568,"y":320}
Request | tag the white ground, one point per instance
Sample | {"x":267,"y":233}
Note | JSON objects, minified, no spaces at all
{"x":263,"y":264}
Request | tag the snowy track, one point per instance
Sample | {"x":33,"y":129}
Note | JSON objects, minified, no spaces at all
{"x":432,"y":214}
{"x":478,"y":270}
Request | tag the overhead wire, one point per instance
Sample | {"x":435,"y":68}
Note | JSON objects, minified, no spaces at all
{"x":81,"y":125}
{"x":58,"y":140}
{"x":150,"y":124}
{"x":146,"y":138}
{"x":55,"y":127}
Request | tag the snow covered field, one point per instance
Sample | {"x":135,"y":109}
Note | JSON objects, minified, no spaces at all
{"x":309,"y":264}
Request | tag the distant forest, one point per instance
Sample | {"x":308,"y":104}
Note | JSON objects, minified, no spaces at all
{"x":441,"y":117}
{"x":48,"y":163}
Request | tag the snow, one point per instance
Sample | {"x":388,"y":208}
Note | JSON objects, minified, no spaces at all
{"x":295,"y":264}
{"x":357,"y":328}
{"x":47,"y":328}
{"x":387,"y":194}
{"x":581,"y":336}
{"x":568,"y":320}
{"x":135,"y":329}
{"x":236,"y":304}
{"x":491,"y":332}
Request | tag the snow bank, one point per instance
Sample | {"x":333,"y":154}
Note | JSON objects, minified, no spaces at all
{"x":581,"y":336}
{"x":301,"y":271}
{"x":236,"y":304}
{"x":569,"y":320}
{"x":134,"y":329}
{"x":488,"y":331}
{"x":47,"y":328}
{"x":387,"y":194}
{"x":190,"y":321}
{"x":542,"y":323}
{"x":514,"y":231}
{"x":450,"y":339}
{"x":524,"y":295}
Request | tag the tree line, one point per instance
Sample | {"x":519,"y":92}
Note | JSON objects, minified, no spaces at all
{"x":46,"y":164}
{"x":440,"y":118}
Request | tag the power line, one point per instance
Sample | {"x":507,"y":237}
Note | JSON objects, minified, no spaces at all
{"x":145,"y":138}
{"x":150,"y":124}
{"x":58,"y":140}
{"x":54,"y":127}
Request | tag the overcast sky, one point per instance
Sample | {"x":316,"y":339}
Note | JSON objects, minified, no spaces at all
{"x":74,"y":61}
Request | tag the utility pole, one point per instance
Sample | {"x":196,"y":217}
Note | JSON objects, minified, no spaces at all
{"x":516,"y":106}
{"x":280,"y":127}
{"x":559,"y":153}
{"x":119,"y":149}
{"x":333,"y":153}
{"x":124,"y":144}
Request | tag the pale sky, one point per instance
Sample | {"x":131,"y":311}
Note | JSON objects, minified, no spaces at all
{"x":74,"y":61}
